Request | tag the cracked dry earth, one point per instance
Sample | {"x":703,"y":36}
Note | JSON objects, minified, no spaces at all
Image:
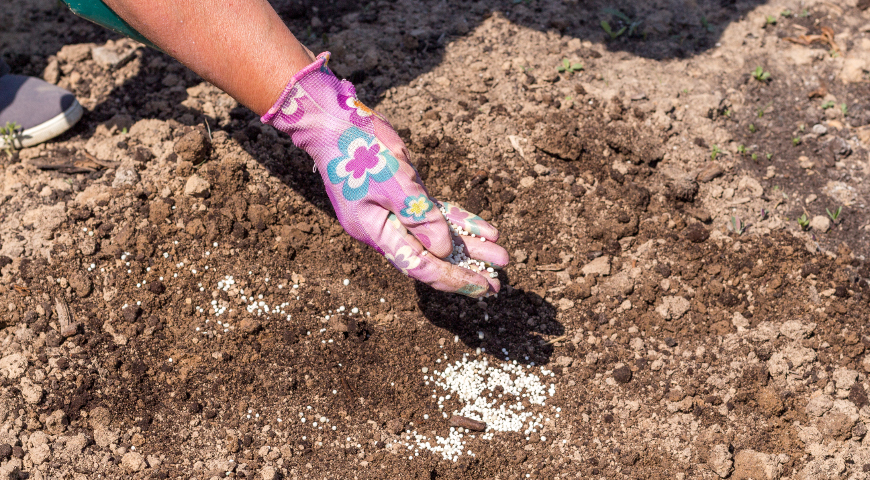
{"x":664,"y":314}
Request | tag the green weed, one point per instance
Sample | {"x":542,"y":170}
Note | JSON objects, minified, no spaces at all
{"x":569,"y":67}
{"x":629,"y":27}
{"x":760,"y":75}
{"x":804,"y":222}
{"x":715,"y":152}
{"x":706,"y":25}
{"x":835,"y":215}
{"x":8,"y":133}
{"x":737,"y":225}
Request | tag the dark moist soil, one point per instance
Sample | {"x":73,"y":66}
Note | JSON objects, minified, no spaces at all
{"x":181,"y":390}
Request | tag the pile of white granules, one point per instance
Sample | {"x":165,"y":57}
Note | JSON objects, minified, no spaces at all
{"x":475,"y":383}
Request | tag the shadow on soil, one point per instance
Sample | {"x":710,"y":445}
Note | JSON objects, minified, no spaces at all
{"x":514,"y":322}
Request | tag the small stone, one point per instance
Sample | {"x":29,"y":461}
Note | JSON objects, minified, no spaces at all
{"x":81,"y":284}
{"x":719,"y":460}
{"x":105,"y":56}
{"x":193,"y":146}
{"x":820,"y":223}
{"x":710,"y":172}
{"x":600,"y":266}
{"x":133,"y":462}
{"x":395,"y":426}
{"x":131,"y":313}
{"x":769,"y":402}
{"x":39,"y":454}
{"x":249,"y":326}
{"x":752,"y":465}
{"x":56,"y":422}
{"x":820,"y":129}
{"x":13,"y":366}
{"x":197,"y":186}
{"x":844,"y":378}
{"x":696,"y":233}
{"x":268,"y":473}
{"x":673,"y":307}
{"x":520,"y":256}
{"x":859,"y":431}
{"x":31,"y":392}
{"x":126,"y":175}
{"x":818,"y":405}
{"x":622,"y":374}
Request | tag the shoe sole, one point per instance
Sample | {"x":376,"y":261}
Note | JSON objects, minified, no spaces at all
{"x":48,"y":129}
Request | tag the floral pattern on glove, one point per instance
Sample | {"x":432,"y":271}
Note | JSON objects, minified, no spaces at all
{"x":405,"y":259}
{"x":293,"y":110}
{"x":469,"y":220}
{"x":416,"y":207}
{"x":364,"y":160}
{"x":360,"y":115}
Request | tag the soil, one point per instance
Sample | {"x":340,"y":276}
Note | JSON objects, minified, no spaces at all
{"x":650,"y":202}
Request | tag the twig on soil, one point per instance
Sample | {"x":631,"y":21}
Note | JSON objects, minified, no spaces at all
{"x":20,"y":289}
{"x":351,"y":394}
{"x":68,"y":327}
{"x":467,"y":423}
{"x":557,"y":339}
{"x":208,"y":128}
{"x":827,"y":36}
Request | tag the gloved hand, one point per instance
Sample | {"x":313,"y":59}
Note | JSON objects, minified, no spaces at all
{"x":376,"y":193}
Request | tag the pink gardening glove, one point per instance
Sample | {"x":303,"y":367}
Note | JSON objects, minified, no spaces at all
{"x":376,"y":193}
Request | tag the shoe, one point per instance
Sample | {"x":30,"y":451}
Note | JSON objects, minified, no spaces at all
{"x":42,"y":110}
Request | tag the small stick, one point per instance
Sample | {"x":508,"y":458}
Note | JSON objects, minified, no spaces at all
{"x":557,"y":339}
{"x":21,"y":290}
{"x":68,"y":327}
{"x":467,"y":423}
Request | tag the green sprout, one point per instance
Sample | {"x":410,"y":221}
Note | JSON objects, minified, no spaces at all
{"x":8,"y":133}
{"x":613,"y":34}
{"x":786,"y":13}
{"x":754,"y":157}
{"x":714,"y":152}
{"x":760,"y":75}
{"x":629,"y":27}
{"x":828,"y":104}
{"x":760,"y":112}
{"x":741,"y":149}
{"x":737,"y":225}
{"x":727,"y":112}
{"x":805,"y":12}
{"x":804,"y":222}
{"x":706,"y":25}
{"x":752,"y":128}
{"x":770,"y":20}
{"x":845,"y":109}
{"x":796,"y":141}
{"x":569,"y":67}
{"x":835,"y":215}
{"x":768,"y":155}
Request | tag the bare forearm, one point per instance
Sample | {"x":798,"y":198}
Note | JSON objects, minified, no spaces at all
{"x":242,"y":47}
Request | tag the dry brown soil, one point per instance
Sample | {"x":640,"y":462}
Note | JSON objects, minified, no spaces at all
{"x":680,"y":346}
